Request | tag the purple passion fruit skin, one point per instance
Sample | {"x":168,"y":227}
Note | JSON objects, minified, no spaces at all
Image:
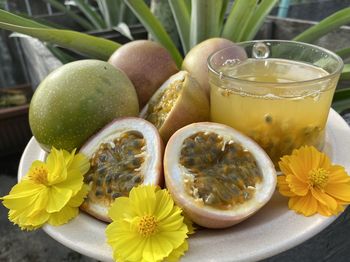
{"x":147,"y":64}
{"x":195,"y":61}
{"x":76,"y":100}
{"x":125,"y":153}
{"x":218,"y":176}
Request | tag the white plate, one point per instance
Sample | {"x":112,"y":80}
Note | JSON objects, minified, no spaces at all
{"x":272,"y":230}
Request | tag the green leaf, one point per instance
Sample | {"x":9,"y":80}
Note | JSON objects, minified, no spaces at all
{"x":94,"y":47}
{"x":182,"y":19}
{"x":90,"y":13}
{"x":110,"y":11}
{"x":10,"y":18}
{"x":60,"y":54}
{"x":223,"y":13}
{"x":256,"y":21}
{"x":238,"y":18}
{"x":344,"y":53}
{"x":154,"y":27}
{"x":345,"y":75}
{"x":205,"y":20}
{"x":341,"y":99}
{"x":80,"y":20}
{"x":327,"y":25}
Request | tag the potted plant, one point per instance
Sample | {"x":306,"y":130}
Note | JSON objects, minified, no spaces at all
{"x":195,"y":22}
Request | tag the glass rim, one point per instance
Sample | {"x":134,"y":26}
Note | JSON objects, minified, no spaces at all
{"x":226,"y":77}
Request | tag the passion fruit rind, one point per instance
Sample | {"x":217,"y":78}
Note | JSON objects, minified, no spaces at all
{"x":188,"y":104}
{"x":78,"y":99}
{"x":124,"y":154}
{"x":196,"y":59}
{"x":231,"y":213}
{"x":147,"y":64}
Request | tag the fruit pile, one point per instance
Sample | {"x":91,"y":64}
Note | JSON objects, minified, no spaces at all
{"x":142,"y":121}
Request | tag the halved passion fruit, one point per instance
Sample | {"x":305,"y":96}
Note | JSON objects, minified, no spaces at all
{"x":178,"y":102}
{"x":126,"y":153}
{"x":217,"y":175}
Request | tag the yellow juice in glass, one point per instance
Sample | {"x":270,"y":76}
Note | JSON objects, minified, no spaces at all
{"x":278,"y":118}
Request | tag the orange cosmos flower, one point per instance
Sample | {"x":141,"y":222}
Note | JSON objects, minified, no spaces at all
{"x":313,"y":183}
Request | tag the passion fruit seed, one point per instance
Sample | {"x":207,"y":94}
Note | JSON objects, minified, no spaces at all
{"x":115,"y":166}
{"x":159,"y":108}
{"x":281,"y":137}
{"x":221,"y":173}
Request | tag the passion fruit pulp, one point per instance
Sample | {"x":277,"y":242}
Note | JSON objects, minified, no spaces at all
{"x":217,"y":175}
{"x":125,"y":153}
{"x":178,"y":102}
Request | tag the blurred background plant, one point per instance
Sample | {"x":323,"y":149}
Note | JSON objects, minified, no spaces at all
{"x":177,"y":24}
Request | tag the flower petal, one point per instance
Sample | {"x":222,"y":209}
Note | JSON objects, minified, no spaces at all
{"x":284,"y":165}
{"x":297,"y":186}
{"x":121,"y":208}
{"x":324,"y":210}
{"x":157,"y":248}
{"x":68,"y":157}
{"x":297,"y":166}
{"x":40,"y":202}
{"x":323,"y":159}
{"x":57,"y":167}
{"x":144,"y":199}
{"x":338,"y":175}
{"x":190,"y":227}
{"x":57,"y":198}
{"x":305,"y":205}
{"x":283,"y":187}
{"x":63,"y":216}
{"x":25,"y":188}
{"x":340,"y":191}
{"x":78,"y":198}
{"x":126,"y":244}
{"x":20,"y":200}
{"x":173,"y":222}
{"x":178,"y":252}
{"x":23,"y":220}
{"x":164,"y":204}
{"x":324,"y":198}
{"x":176,"y":238}
{"x":74,"y":181}
{"x":80,"y":162}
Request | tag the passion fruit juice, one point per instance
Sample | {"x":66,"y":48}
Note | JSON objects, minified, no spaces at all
{"x":280,"y":119}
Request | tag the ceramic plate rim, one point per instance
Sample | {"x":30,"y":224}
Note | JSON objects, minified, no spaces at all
{"x":97,"y":248}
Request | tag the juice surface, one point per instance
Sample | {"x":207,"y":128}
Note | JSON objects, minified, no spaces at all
{"x":275,"y":116}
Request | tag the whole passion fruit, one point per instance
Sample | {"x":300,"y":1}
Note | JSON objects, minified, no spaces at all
{"x":76,"y":100}
{"x":217,"y":175}
{"x":147,"y":64}
{"x":125,"y":153}
{"x":178,"y":102}
{"x":195,"y":61}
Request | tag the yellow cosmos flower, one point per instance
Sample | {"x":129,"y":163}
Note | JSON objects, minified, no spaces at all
{"x":50,"y":192}
{"x":147,"y":226}
{"x":313,"y":183}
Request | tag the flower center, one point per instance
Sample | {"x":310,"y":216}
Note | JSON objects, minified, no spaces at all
{"x":147,"y":226}
{"x":39,"y":175}
{"x":318,"y":177}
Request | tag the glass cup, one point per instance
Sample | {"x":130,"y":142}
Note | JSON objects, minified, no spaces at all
{"x":277,"y":92}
